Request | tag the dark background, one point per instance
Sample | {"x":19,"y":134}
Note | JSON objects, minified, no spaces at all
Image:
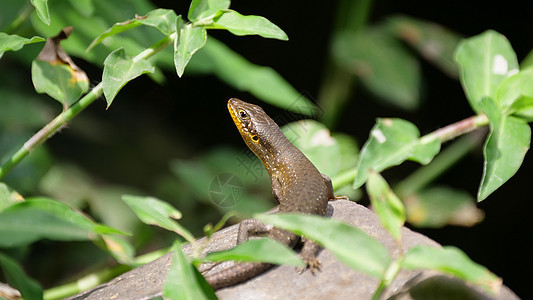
{"x":188,"y":115}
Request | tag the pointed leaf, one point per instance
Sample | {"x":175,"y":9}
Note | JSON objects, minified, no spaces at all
{"x":8,"y":197}
{"x":28,"y":287}
{"x":515,"y":94}
{"x":190,"y":39}
{"x":258,"y":250}
{"x":162,"y":19}
{"x":119,"y":70}
{"x":201,"y":9}
{"x":386,"y":204}
{"x":153,"y":211}
{"x":38,"y":218}
{"x":504,"y":150}
{"x":238,"y":24}
{"x":262,"y":82}
{"x":14,"y":42}
{"x":391,"y":142}
{"x":341,"y":239}
{"x":452,"y":261}
{"x":41,"y":7}
{"x":485,"y":61}
{"x":54,"y":72}
{"x":183,"y":279}
{"x":382,"y":63}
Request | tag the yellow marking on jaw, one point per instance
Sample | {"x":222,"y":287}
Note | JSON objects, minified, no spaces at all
{"x":234,"y":116}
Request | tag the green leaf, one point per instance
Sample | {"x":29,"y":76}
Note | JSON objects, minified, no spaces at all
{"x":485,"y":61}
{"x":262,"y":82}
{"x":122,"y":250}
{"x":504,"y":150}
{"x":162,"y":19}
{"x":190,"y":39}
{"x":8,"y":197}
{"x":434,"y":42}
{"x":183,"y":280}
{"x":41,"y":7}
{"x":452,"y":261}
{"x":202,"y":9}
{"x":153,"y":211}
{"x":59,"y":81}
{"x":391,"y":142}
{"x":38,"y":218}
{"x":315,"y":141}
{"x":14,"y":42}
{"x":382,"y":63}
{"x":238,"y":24}
{"x":515,"y":94}
{"x":386,"y":204}
{"x":258,"y":250}
{"x":439,"y":206}
{"x":17,"y":278}
{"x":119,"y":70}
{"x":341,"y":239}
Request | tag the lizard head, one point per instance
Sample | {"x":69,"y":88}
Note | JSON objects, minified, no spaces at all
{"x":253,"y":124}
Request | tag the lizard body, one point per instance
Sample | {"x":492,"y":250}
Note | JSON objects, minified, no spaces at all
{"x":297,"y":185}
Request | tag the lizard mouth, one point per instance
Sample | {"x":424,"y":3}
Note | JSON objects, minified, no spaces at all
{"x":233,"y":112}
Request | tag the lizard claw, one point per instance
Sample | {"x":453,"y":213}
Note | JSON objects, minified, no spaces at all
{"x":313,"y":266}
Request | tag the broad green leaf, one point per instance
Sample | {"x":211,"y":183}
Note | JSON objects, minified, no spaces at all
{"x":14,"y":42}
{"x":439,"y":206}
{"x":485,"y":61}
{"x":382,"y":63}
{"x":17,"y":278}
{"x":515,"y":94}
{"x":238,"y":24}
{"x":38,"y":218}
{"x":183,"y":280}
{"x":202,"y":9}
{"x":59,"y":81}
{"x":258,"y":250}
{"x":8,"y":197}
{"x":190,"y":39}
{"x":386,"y":204}
{"x":434,"y":42}
{"x":119,"y":70}
{"x":153,"y":211}
{"x":504,"y":150}
{"x":262,"y":82}
{"x":162,"y":19}
{"x":452,"y":261}
{"x":341,"y":239}
{"x":41,"y":7}
{"x":315,"y":141}
{"x":391,"y":142}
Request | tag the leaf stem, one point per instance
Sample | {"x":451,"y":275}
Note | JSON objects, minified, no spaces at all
{"x":67,"y":115}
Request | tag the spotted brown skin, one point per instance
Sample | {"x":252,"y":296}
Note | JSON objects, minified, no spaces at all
{"x":297,"y":185}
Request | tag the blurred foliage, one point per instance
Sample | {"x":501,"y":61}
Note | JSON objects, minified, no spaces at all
{"x":203,"y":186}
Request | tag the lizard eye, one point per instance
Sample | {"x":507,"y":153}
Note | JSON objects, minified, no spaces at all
{"x":243,"y":115}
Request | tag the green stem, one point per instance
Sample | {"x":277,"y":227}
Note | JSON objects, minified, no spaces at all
{"x":66,"y":116}
{"x":94,"y":279}
{"x":427,"y":174}
{"x":443,"y":135}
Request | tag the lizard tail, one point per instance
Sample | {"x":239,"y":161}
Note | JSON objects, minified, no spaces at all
{"x":238,"y":273}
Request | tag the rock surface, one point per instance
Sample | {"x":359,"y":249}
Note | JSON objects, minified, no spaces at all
{"x":335,"y":281}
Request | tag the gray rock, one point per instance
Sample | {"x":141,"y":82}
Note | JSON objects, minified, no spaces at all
{"x":335,"y":281}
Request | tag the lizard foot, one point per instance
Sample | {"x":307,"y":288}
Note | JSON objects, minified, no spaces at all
{"x":313,"y":265}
